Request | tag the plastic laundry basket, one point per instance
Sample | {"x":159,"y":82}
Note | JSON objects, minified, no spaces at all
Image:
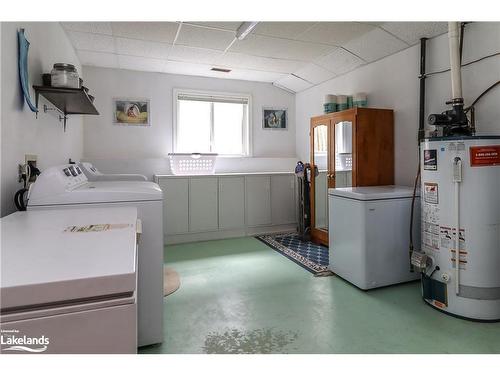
{"x":195,"y":163}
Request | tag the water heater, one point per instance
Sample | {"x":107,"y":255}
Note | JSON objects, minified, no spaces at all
{"x":460,"y":205}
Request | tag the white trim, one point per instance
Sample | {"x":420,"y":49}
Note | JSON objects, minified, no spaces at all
{"x":247,"y":132}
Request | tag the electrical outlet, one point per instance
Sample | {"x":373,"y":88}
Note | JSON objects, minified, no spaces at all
{"x":31,"y":159}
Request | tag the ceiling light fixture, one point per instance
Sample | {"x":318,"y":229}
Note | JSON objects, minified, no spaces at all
{"x":245,"y":29}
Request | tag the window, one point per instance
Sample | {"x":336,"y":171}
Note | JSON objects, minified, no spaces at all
{"x":212,"y":122}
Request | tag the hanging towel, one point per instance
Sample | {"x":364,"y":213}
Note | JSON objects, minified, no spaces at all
{"x":24,"y":45}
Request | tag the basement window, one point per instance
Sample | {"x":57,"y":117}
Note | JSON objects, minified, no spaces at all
{"x":211,"y":122}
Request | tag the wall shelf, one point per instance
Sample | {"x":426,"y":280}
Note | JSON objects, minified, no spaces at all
{"x":67,"y":101}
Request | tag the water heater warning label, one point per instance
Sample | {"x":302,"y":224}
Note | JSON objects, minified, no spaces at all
{"x":430,"y":160}
{"x":430,"y":226}
{"x":448,"y":241}
{"x":481,"y":156}
{"x":431,"y":193}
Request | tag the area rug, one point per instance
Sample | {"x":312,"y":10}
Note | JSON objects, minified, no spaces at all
{"x":171,"y":280}
{"x":306,"y":254}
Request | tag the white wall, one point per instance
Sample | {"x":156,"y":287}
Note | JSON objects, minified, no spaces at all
{"x":21,"y":133}
{"x":114,"y":148}
{"x":392,"y":83}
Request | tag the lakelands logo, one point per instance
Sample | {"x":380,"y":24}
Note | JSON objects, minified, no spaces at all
{"x":13,"y":340}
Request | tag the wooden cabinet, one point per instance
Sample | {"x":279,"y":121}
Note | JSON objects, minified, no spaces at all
{"x":203,"y":209}
{"x":231,"y":202}
{"x":258,"y":200}
{"x":354,"y":147}
{"x":175,"y":204}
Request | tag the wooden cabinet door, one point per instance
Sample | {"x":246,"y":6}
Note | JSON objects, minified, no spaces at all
{"x":175,"y":205}
{"x":283,"y":202}
{"x":231,"y":202}
{"x":341,"y":124}
{"x":320,"y":159}
{"x":258,"y":200}
{"x":203,"y":208}
{"x":374,"y":147}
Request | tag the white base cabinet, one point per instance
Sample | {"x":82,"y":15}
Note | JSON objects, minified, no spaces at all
{"x":176,"y":218}
{"x":231,"y":202}
{"x":198,"y":208}
{"x":203,"y":208}
{"x":258,"y":200}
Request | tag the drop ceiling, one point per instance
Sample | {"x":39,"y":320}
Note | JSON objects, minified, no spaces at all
{"x":292,"y":55}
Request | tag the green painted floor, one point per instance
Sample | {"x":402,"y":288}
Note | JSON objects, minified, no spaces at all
{"x":239,"y":296}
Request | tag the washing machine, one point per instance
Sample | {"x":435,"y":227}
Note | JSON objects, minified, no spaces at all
{"x":93,"y":174}
{"x":68,"y":282}
{"x":66,"y":186}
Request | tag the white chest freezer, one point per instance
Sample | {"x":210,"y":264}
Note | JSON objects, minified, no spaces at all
{"x":69,"y":290}
{"x":369,"y":234}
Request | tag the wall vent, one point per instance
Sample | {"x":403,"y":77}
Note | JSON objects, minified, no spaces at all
{"x":222,"y":70}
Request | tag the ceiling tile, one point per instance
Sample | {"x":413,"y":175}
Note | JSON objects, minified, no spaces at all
{"x":255,"y":75}
{"x":411,"y":32}
{"x":204,"y":70}
{"x":92,"y":42}
{"x":89,"y":27}
{"x":293,"y":83}
{"x":375,"y":45}
{"x":194,"y":55}
{"x":314,"y":74}
{"x":141,"y":63}
{"x":340,"y":61}
{"x":142,"y":48}
{"x":106,"y":60}
{"x":288,"y":30}
{"x":194,"y":36}
{"x":176,"y":67}
{"x":153,"y":31}
{"x":233,"y":26}
{"x":335,"y":33}
{"x":265,"y":46}
{"x":240,"y":60}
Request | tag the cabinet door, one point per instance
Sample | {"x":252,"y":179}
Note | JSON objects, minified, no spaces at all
{"x":203,"y":204}
{"x":283,"y":203}
{"x":175,"y":205}
{"x":231,"y":202}
{"x":258,"y":200}
{"x":340,"y":179}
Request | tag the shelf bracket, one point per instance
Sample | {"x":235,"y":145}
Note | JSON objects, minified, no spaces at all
{"x":62,"y":116}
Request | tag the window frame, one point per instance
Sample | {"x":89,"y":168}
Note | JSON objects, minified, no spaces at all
{"x":247,"y":131}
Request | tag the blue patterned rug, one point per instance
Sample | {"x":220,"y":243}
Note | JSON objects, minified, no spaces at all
{"x":306,"y":254}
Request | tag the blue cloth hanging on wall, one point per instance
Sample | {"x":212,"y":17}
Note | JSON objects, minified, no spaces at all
{"x":24,"y":45}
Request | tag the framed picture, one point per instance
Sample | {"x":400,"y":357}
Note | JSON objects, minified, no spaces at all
{"x":134,"y":112}
{"x":274,"y":118}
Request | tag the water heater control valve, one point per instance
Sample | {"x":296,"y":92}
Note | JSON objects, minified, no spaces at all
{"x":419,"y":260}
{"x":446,"y":277}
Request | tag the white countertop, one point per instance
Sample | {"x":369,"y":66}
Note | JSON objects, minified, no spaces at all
{"x":42,"y":264}
{"x":223,"y":174}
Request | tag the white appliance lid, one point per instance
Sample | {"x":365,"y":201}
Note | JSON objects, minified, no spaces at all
{"x":41,"y":264}
{"x":101,"y":192}
{"x":367,"y":193}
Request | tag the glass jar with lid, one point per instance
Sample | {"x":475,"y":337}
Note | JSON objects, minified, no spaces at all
{"x":64,"y":75}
